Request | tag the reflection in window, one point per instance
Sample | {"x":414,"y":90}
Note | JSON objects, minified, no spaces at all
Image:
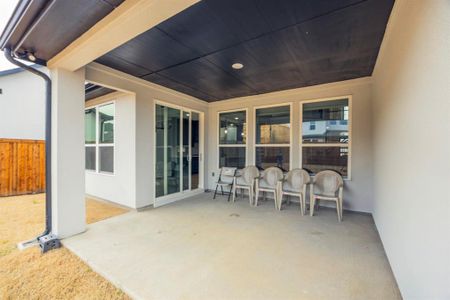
{"x":316,"y":159}
{"x":232,"y":139}
{"x":106,"y":159}
{"x":266,"y":157}
{"x":90,"y":117}
{"x":325,"y":136}
{"x":325,"y":122}
{"x":90,"y":158}
{"x":232,"y":157}
{"x":99,"y":147}
{"x":168,"y":143}
{"x":106,"y":127}
{"x":273,"y":125}
{"x":232,"y":127}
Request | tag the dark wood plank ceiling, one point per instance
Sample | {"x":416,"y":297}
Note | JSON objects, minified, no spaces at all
{"x":92,"y":91}
{"x":283,"y":44}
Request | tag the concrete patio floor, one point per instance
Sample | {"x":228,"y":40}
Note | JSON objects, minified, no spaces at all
{"x":200,"y":248}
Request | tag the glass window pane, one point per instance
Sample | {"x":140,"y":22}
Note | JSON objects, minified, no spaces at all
{"x":195,"y":150}
{"x":273,"y":125}
{"x":106,"y":158}
{"x":232,"y":157}
{"x":106,"y":126}
{"x":90,"y":158}
{"x":232,"y":127}
{"x":316,"y":159}
{"x":89,"y":125}
{"x":168,"y":144}
{"x":272,"y":157}
{"x":325,"y":122}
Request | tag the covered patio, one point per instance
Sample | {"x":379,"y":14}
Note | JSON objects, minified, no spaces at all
{"x":151,"y":99}
{"x":203,"y":249}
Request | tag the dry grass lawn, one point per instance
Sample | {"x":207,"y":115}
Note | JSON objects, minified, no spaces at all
{"x":58,"y":274}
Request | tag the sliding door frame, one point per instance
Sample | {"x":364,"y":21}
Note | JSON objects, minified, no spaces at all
{"x":158,"y":201}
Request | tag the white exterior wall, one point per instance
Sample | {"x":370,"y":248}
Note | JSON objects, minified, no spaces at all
{"x":22,"y":98}
{"x":146,"y":94}
{"x":358,"y":190}
{"x":411,"y":101}
{"x":119,"y":187}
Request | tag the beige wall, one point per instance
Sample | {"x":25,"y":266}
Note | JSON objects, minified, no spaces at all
{"x":411,"y":101}
{"x":146,"y":93}
{"x":358,"y":190}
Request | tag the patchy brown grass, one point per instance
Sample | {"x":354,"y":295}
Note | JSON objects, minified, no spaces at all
{"x":58,"y":274}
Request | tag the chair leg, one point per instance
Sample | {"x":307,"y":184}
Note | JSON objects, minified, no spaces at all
{"x":215,"y":192}
{"x":256,"y":197}
{"x":275,"y":200}
{"x":311,"y":206}
{"x":280,"y":200}
{"x":221,"y":188}
{"x":302,"y":206}
{"x":234,"y":193}
{"x":338,"y":209}
{"x":250,"y":196}
{"x":229,"y":194}
{"x":342,"y":211}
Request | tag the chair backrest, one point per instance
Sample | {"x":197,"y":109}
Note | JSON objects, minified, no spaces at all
{"x":297,"y":178}
{"x":328,"y":182}
{"x":272,"y":175}
{"x":248,"y":174}
{"x":227,"y":174}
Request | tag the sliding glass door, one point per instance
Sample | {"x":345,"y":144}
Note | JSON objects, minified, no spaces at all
{"x":177,"y":150}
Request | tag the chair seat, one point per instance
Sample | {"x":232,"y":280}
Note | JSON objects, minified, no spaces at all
{"x":263,"y":184}
{"x":224,"y":183}
{"x":325,"y":197}
{"x":287,"y":187}
{"x":240,"y":181}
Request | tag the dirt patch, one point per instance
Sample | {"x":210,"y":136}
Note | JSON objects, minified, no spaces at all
{"x":58,"y":274}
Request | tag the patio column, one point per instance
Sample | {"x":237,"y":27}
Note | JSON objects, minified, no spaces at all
{"x":68,"y":187}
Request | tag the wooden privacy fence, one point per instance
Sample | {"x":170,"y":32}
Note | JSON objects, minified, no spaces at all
{"x":22,"y":167}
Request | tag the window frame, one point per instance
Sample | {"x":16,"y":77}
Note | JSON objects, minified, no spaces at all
{"x":219,"y":145}
{"x":97,"y":143}
{"x":255,"y":145}
{"x":340,"y":145}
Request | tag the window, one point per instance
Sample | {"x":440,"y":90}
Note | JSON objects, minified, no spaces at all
{"x":232,"y":139}
{"x":99,"y":138}
{"x":325,"y":146}
{"x":273,"y":137}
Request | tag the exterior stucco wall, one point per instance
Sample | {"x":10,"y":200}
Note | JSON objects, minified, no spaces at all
{"x":119,"y":187}
{"x":145,"y":94}
{"x":22,"y":106}
{"x":411,"y":101}
{"x":358,"y":190}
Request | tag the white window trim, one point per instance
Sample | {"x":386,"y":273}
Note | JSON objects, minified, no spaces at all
{"x":350,"y":136}
{"x":232,"y":145}
{"x":97,"y":144}
{"x":255,"y":145}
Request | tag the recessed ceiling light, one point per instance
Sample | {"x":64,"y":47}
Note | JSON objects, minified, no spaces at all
{"x":236,"y":118}
{"x":237,"y":66}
